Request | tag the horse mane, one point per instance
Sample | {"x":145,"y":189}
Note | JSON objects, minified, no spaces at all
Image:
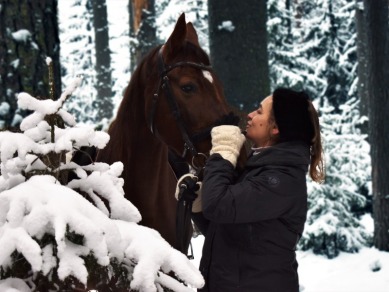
{"x":130,"y":116}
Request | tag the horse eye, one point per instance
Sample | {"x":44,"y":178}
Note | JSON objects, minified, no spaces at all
{"x":188,"y":88}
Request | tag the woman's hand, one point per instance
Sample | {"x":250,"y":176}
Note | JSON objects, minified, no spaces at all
{"x":191,"y":191}
{"x":227,"y":141}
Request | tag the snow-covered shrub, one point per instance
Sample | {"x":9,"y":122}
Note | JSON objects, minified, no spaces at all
{"x":332,"y":223}
{"x":53,"y":238}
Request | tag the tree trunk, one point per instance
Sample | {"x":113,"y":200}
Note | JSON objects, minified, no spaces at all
{"x":238,"y":47}
{"x":103,"y":61}
{"x":28,"y":34}
{"x":142,"y":29}
{"x":362,"y":63}
{"x":377,"y":30}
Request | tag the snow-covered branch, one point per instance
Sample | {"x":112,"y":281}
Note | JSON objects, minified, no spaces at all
{"x":82,"y":233}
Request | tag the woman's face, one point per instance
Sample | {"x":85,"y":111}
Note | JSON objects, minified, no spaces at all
{"x":260,"y":129}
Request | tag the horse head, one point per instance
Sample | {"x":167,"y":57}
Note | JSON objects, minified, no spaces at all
{"x":187,"y":100}
{"x":171,"y":103}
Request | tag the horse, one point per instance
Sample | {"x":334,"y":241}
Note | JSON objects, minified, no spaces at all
{"x":169,"y":107}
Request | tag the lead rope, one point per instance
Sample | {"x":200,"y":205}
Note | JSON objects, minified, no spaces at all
{"x":186,"y":196}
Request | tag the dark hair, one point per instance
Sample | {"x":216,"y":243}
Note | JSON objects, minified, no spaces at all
{"x":297,"y":120}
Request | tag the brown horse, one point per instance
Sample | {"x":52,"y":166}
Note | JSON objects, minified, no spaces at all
{"x":172,"y":101}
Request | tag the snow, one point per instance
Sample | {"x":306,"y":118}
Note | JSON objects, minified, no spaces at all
{"x":153,"y":254}
{"x":346,"y":273}
{"x":107,"y":184}
{"x":46,"y":106}
{"x":349,"y":272}
{"x":13,"y":285}
{"x":43,"y":206}
{"x":4,"y":108}
{"x":226,"y":25}
{"x":15,"y":63}
{"x":31,"y":208}
{"x":22,"y":35}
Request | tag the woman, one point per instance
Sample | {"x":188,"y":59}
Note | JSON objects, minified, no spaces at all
{"x":253,"y":220}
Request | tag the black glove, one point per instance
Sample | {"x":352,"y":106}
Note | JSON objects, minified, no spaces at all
{"x":189,"y":189}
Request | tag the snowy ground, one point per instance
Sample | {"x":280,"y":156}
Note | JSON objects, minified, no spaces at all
{"x":345,"y":273}
{"x":365,"y":271}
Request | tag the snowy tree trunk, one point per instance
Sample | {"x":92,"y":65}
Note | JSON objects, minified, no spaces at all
{"x":238,"y":46}
{"x":28,"y":34}
{"x":377,"y":28}
{"x":362,"y":63}
{"x":142,"y":29}
{"x":104,"y":84}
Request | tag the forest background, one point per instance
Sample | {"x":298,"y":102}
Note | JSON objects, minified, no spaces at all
{"x":336,"y":50}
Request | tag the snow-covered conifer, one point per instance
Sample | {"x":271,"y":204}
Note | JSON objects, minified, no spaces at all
{"x":333,"y":224}
{"x":55,"y":239}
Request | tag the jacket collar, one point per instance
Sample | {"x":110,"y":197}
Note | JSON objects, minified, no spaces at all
{"x":287,"y":153}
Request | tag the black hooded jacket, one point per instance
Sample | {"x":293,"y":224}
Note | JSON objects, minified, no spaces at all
{"x":252,"y":222}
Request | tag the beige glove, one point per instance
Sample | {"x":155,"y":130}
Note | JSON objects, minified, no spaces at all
{"x":196,"y":205}
{"x":227,"y":141}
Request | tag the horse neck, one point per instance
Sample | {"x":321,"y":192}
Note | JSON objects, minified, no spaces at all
{"x":141,"y":152}
{"x":137,"y":144}
{"x":150,"y":152}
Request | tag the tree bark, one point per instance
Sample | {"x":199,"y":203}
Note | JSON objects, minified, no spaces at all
{"x":142,"y":29}
{"x":377,"y":29}
{"x":363,"y":92}
{"x":28,"y":34}
{"x":103,"y":61}
{"x":239,"y":50}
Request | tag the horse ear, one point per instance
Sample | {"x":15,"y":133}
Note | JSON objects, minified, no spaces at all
{"x":191,"y":34}
{"x":177,"y":38}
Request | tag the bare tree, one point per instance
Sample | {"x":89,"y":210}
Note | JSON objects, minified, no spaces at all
{"x":377,"y":31}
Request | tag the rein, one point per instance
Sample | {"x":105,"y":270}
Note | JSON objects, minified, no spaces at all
{"x":187,"y":190}
{"x":184,"y":204}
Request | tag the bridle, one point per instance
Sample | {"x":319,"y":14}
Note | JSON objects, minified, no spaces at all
{"x":184,"y":205}
{"x":164,"y":84}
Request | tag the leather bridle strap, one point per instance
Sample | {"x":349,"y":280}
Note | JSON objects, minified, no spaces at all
{"x":165,"y":85}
